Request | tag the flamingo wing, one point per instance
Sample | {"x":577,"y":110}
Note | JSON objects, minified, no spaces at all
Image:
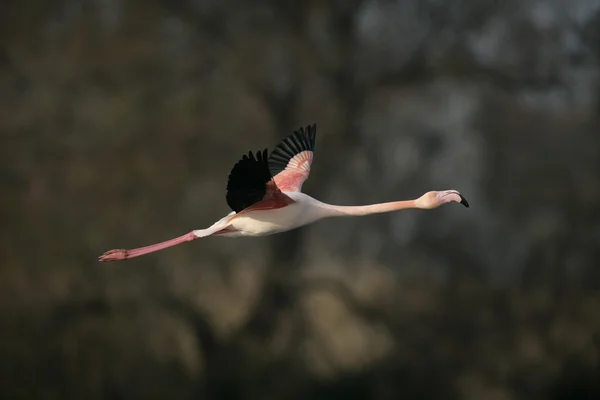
{"x":251,"y":187}
{"x":290,"y":162}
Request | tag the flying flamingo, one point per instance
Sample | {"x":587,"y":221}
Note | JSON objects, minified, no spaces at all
{"x":265,"y":195}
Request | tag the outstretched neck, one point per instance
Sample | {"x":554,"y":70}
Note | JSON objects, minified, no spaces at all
{"x":347,"y":211}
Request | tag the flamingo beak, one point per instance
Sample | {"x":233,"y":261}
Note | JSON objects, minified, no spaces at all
{"x":453,"y":195}
{"x":463,"y":201}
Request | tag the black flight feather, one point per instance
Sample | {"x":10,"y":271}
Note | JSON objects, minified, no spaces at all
{"x":301,"y":140}
{"x":247,"y":183}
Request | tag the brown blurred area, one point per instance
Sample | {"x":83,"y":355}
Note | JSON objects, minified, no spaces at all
{"x":120,"y":121}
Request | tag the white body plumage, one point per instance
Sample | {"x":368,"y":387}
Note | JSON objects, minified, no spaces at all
{"x":303,"y":211}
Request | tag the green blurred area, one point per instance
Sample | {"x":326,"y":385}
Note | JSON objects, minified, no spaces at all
{"x":120,"y":122}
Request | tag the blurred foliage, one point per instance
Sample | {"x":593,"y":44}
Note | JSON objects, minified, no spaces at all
{"x":120,"y":122}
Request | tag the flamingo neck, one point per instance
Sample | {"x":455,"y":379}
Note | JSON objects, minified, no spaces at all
{"x":347,"y":211}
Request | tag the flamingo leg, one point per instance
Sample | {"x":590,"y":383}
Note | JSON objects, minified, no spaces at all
{"x":122,"y":254}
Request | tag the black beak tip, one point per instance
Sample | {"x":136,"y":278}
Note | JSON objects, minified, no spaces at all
{"x":463,"y":201}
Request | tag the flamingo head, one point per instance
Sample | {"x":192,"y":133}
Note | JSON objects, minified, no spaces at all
{"x":435,"y":199}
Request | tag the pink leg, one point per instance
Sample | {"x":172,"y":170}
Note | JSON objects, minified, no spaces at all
{"x":122,"y":254}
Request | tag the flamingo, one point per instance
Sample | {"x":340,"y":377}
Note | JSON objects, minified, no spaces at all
{"x":265,"y":194}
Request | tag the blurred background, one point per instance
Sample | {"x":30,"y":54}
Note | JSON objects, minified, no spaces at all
{"x":120,"y":122}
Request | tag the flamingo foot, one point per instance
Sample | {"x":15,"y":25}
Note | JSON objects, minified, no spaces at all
{"x":114,"y":255}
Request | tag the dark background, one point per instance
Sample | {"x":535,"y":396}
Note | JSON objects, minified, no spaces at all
{"x":120,"y":121}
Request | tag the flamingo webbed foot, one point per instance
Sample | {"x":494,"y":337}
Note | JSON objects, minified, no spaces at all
{"x":114,"y":255}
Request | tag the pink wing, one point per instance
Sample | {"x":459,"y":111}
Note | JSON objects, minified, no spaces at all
{"x":250,"y":185}
{"x":290,"y":162}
